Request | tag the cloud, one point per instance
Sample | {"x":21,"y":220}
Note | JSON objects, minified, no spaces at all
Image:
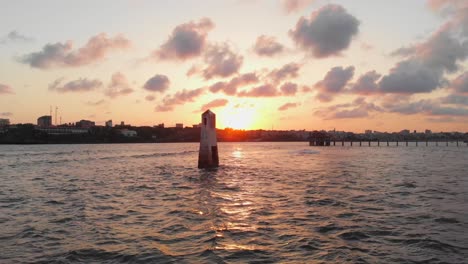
{"x":118,"y":86}
{"x":6,"y":114}
{"x":267,"y":46}
{"x":80,"y":85}
{"x":334,"y":82}
{"x":366,"y":84}
{"x":186,"y":41}
{"x":5,"y":89}
{"x":97,"y":103}
{"x":455,"y":99}
{"x":289,"y":88}
{"x":157,"y":83}
{"x":215,"y":103}
{"x":428,"y":107}
{"x":456,"y":10}
{"x":230,"y":88}
{"x":15,"y":36}
{"x":179,"y":98}
{"x":460,"y":84}
{"x":327,"y":32}
{"x":61,"y":54}
{"x":287,"y":106}
{"x":287,"y":71}
{"x":150,"y":97}
{"x":410,"y":77}
{"x":265,"y":90}
{"x":357,"y":109}
{"x":221,"y":62}
{"x":424,"y":65}
{"x":292,"y":6}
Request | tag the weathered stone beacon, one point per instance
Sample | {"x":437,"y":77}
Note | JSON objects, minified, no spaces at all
{"x":208,"y":154}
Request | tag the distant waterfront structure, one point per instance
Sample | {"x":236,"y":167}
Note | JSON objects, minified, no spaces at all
{"x":368,"y":131}
{"x":85,"y":124}
{"x":4,"y":122}
{"x":109,"y":123}
{"x":208,"y":153}
{"x":319,"y":138}
{"x":128,"y":133}
{"x":179,"y":125}
{"x":428,"y":132}
{"x":44,"y":121}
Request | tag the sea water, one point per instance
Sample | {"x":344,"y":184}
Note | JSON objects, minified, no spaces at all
{"x":266,"y":203}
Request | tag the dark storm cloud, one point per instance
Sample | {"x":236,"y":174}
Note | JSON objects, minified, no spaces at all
{"x":221,"y":61}
{"x":428,"y":107}
{"x":118,"y":86}
{"x":327,"y":32}
{"x":287,"y":106}
{"x":80,"y":85}
{"x":214,"y":104}
{"x":62,"y":55}
{"x":267,"y":46}
{"x":158,"y":83}
{"x":230,"y":88}
{"x":186,"y":41}
{"x":265,"y":90}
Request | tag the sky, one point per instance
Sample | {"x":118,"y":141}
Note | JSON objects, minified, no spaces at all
{"x":258,"y":64}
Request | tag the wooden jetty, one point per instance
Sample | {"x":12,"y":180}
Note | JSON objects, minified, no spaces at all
{"x":322,"y":140}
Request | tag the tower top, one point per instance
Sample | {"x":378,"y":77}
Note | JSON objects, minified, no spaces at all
{"x":208,"y":112}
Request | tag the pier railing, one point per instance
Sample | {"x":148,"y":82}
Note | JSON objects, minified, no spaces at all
{"x":388,"y":143}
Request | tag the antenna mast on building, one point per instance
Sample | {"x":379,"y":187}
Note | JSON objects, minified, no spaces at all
{"x":56,"y":109}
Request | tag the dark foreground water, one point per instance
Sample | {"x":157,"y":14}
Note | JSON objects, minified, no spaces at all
{"x":268,"y":202}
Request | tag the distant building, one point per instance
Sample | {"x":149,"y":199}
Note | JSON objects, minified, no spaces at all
{"x":4,"y":122}
{"x":44,"y":121}
{"x":85,"y":124}
{"x":368,"y":131}
{"x":179,"y":125}
{"x":196,"y":126}
{"x":405,"y":132}
{"x":427,"y":132}
{"x":109,"y":123}
{"x":63,"y":130}
{"x":160,"y":125}
{"x":122,"y":123}
{"x":128,"y":133}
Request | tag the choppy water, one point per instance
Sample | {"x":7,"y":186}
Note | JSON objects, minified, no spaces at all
{"x":268,"y":202}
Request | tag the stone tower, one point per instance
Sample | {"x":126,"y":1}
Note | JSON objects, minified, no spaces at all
{"x":208,"y":154}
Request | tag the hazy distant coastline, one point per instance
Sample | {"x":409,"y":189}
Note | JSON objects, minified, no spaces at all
{"x":30,"y":134}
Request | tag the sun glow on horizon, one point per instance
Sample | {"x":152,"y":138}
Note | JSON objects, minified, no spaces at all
{"x":237,"y":118}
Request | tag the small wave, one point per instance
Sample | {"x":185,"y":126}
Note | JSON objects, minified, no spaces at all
{"x":307,"y":152}
{"x":353,"y":235}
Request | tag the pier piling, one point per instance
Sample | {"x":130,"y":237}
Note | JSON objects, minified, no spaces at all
{"x":208,"y":153}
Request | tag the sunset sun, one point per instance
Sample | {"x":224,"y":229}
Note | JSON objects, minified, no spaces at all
{"x":237,"y":118}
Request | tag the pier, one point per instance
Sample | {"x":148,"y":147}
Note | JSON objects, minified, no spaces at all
{"x":326,"y":142}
